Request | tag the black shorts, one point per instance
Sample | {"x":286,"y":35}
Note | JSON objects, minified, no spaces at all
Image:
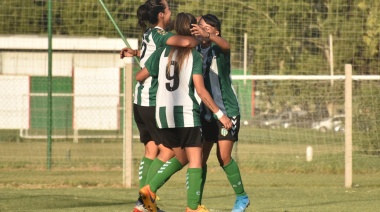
{"x":146,"y":123}
{"x":181,"y":137}
{"x":213,"y":131}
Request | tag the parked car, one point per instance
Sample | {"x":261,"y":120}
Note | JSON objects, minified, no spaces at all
{"x":335,"y":123}
{"x":300,"y":121}
{"x":287,"y":119}
{"x":258,"y":119}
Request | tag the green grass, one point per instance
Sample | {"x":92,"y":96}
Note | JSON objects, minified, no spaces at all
{"x":308,"y":196}
{"x":87,"y":176}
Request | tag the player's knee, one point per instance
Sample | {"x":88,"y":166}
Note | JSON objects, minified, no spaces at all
{"x":224,"y":160}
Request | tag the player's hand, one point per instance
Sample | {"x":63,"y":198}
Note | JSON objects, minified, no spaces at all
{"x":227,"y":123}
{"x":127,"y":52}
{"x":198,"y":31}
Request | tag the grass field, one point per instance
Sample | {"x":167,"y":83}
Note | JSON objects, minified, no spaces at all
{"x":218,"y":197}
{"x":88,"y":176}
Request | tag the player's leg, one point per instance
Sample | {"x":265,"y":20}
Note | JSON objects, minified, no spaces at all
{"x":163,"y":175}
{"x":230,"y":167}
{"x":164,"y":153}
{"x":150,"y":147}
{"x":150,"y":154}
{"x":148,"y":192}
{"x":206,"y":149}
{"x":209,"y":134}
{"x":192,"y":143}
{"x":169,"y":144}
{"x":194,"y":177}
{"x":164,"y":156}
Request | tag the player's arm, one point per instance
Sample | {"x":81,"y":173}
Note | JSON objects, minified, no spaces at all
{"x":218,"y":40}
{"x":129,"y":52}
{"x":183,"y":41}
{"x":221,"y":42}
{"x":209,"y":102}
{"x":151,"y":66}
{"x":142,"y":74}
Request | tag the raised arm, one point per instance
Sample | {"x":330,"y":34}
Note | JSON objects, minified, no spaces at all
{"x":183,"y":41}
{"x":221,"y":42}
{"x":175,"y":40}
{"x":209,"y":102}
{"x":200,"y":32}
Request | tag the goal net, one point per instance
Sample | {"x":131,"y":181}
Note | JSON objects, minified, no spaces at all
{"x":297,"y":124}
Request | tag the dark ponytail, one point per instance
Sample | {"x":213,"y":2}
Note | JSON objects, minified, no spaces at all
{"x":148,"y":12}
{"x":142,"y":16}
{"x":182,"y":26}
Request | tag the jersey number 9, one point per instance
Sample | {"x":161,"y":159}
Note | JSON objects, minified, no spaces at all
{"x":172,"y":77}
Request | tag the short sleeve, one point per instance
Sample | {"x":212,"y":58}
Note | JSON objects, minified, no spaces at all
{"x":197,"y":62}
{"x":161,"y":36}
{"x":152,"y":64}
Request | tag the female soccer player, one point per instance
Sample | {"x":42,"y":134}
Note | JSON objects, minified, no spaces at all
{"x":217,"y":76}
{"x":179,"y":74}
{"x":157,"y":13}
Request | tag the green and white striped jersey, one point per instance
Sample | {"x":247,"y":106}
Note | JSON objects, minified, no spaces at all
{"x":153,"y":39}
{"x":217,"y":76}
{"x":176,"y":104}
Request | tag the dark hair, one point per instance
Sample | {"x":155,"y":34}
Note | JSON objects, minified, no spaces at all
{"x":148,"y":12}
{"x":182,"y":26}
{"x":213,"y":21}
{"x":182,"y":23}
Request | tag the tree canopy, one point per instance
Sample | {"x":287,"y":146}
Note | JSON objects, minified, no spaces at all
{"x":284,"y":37}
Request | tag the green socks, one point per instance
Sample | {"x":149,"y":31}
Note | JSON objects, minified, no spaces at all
{"x":143,"y":170}
{"x":154,"y":167}
{"x":164,"y":174}
{"x":204,"y":175}
{"x":234,"y":177}
{"x":193,"y":185}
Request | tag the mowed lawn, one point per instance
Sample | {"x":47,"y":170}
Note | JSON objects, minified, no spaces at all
{"x":88,"y":177}
{"x":218,"y":196}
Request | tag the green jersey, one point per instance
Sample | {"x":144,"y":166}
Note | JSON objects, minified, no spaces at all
{"x":176,"y":103}
{"x":153,"y":39}
{"x":217,"y":76}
